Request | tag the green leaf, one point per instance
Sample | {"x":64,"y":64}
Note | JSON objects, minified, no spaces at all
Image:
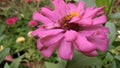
{"x":89,"y":3}
{"x":117,"y":57}
{"x":112,"y":65}
{"x":113,"y":32}
{"x":2,"y":37}
{"x":106,"y":3}
{"x":82,"y":61}
{"x":2,"y":28}
{"x":6,"y":66}
{"x":118,"y":64}
{"x":51,"y":65}
{"x":108,"y":58}
{"x":61,"y":64}
{"x":115,"y":15}
{"x":16,"y":62}
{"x":3,"y":54}
{"x":76,"y":0}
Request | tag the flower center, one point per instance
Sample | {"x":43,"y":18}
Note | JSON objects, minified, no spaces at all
{"x":66,"y":25}
{"x":70,"y":16}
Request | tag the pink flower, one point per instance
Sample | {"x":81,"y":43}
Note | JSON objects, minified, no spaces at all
{"x":9,"y":58}
{"x":11,"y":21}
{"x":28,"y":1}
{"x":32,"y":23}
{"x":37,"y":0}
{"x":71,"y":26}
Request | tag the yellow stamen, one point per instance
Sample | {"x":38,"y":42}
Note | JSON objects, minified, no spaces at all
{"x":74,"y":14}
{"x":71,"y":15}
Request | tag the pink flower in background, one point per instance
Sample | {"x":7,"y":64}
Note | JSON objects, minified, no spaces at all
{"x":71,"y":26}
{"x":11,"y":21}
{"x":9,"y":58}
{"x":32,"y":23}
{"x":37,"y":0}
{"x":28,"y":1}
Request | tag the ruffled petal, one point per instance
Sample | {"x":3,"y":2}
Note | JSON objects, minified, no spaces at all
{"x":71,"y":8}
{"x":75,"y":19}
{"x":66,"y":50}
{"x":50,"y":33}
{"x":60,"y":8}
{"x":38,"y":31}
{"x":84,"y":45}
{"x":101,"y":43}
{"x":86,"y":22}
{"x":51,"y":40}
{"x":39,"y":17}
{"x":91,"y":54}
{"x":70,"y":35}
{"x":81,"y":8}
{"x":39,"y":44}
{"x":42,"y":33}
{"x":47,"y":51}
{"x":49,"y":14}
{"x":99,"y":20}
{"x":90,"y":13}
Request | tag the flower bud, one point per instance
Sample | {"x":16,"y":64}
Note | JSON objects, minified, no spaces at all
{"x":20,"y":39}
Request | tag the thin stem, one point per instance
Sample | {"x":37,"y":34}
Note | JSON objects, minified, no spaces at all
{"x":110,"y":8}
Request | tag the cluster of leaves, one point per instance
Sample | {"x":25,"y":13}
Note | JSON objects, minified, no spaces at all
{"x":23,"y":52}
{"x":26,"y":54}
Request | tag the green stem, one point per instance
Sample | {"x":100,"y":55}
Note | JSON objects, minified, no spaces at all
{"x":110,"y":8}
{"x":21,"y":50}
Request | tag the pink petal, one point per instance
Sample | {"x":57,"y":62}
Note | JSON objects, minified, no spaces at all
{"x":86,"y":22}
{"x":101,"y":44}
{"x":39,"y":17}
{"x":60,"y":8}
{"x":32,"y":23}
{"x":39,"y":44}
{"x":84,"y":44}
{"x":91,"y":54}
{"x":38,"y":31}
{"x":50,"y":32}
{"x":71,"y":8}
{"x":51,"y":26}
{"x":9,"y":58}
{"x":41,"y":32}
{"x":48,"y":13}
{"x":87,"y":32}
{"x":99,"y":20}
{"x":66,"y":50}
{"x":92,"y":12}
{"x":70,"y":35}
{"x":51,"y":40}
{"x":74,"y":19}
{"x":81,"y":8}
{"x":88,"y":11}
{"x":47,"y":51}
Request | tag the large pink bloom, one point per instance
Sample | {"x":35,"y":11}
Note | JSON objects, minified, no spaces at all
{"x":71,"y":26}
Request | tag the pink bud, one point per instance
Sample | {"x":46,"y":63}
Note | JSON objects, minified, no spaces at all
{"x":28,"y":1}
{"x":37,"y":0}
{"x":32,"y":23}
{"x":11,"y":21}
